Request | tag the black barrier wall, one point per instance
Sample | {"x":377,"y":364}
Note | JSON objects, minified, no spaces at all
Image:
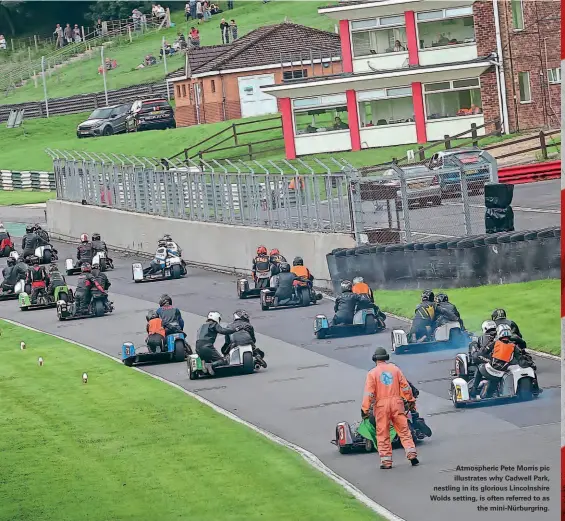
{"x":500,"y":258}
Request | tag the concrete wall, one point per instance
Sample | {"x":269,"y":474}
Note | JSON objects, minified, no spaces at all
{"x":217,"y":245}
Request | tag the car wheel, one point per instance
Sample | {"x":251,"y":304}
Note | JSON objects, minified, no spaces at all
{"x":108,"y":131}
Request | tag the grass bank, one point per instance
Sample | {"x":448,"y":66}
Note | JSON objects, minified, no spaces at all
{"x":19,"y":197}
{"x":125,"y":446}
{"x":532,"y":305}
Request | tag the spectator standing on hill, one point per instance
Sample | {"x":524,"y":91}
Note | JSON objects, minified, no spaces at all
{"x":233,"y":27}
{"x":199,"y":11}
{"x":207,"y":11}
{"x":193,"y":9}
{"x":68,"y":33}
{"x":58,"y":32}
{"x":3,"y":45}
{"x":99,"y":27}
{"x":224,"y":29}
{"x":76,"y":34}
{"x":187,"y":11}
{"x":194,"y":37}
{"x":136,"y":17}
{"x":230,"y":4}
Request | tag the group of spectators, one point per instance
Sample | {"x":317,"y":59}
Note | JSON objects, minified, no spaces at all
{"x":202,"y":10}
{"x":67,"y":35}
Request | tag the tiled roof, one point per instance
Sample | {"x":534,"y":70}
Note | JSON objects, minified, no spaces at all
{"x":263,"y":46}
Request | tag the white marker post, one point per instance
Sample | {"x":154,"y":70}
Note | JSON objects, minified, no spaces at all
{"x":44,"y":85}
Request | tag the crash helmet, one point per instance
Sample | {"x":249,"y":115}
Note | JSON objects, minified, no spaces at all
{"x":86,"y":268}
{"x":503,"y":331}
{"x":274,"y":251}
{"x":428,"y":295}
{"x":14,"y":255}
{"x":84,"y":238}
{"x":214,"y":316}
{"x":34,"y":260}
{"x":346,"y":286}
{"x":162,"y":243}
{"x":167,"y":237}
{"x":284,"y":267}
{"x":151,"y":314}
{"x":498,"y":314}
{"x":95,"y":266}
{"x":442,"y":297}
{"x":53,"y":267}
{"x":95,"y":236}
{"x":37,"y":227}
{"x":11,"y":261}
{"x":298,"y":261}
{"x":29,"y":229}
{"x":488,"y":325}
{"x":380,"y":354}
{"x":358,"y":280}
{"x":261,"y":250}
{"x":241,"y":314}
{"x":165,"y":300}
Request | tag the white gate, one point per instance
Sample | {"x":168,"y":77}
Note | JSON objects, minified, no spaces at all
{"x":253,"y":101}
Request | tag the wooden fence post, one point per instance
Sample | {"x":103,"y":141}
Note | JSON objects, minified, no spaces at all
{"x":497,"y":127}
{"x":234,"y":130}
{"x":474,"y":134}
{"x":421,"y":153}
{"x":542,"y":144}
{"x":447,"y":141}
{"x":250,"y":152}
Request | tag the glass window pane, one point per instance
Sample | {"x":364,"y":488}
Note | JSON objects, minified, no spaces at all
{"x":306,"y":102}
{"x":517,"y":14}
{"x":430,"y":15}
{"x":392,"y":20}
{"x":386,"y":112}
{"x":452,"y":104}
{"x":364,"y":24}
{"x":472,"y":82}
{"x":430,"y":87}
{"x":371,"y":94}
{"x":524,"y":85}
{"x":442,"y":33}
{"x":399,"y":91}
{"x":321,"y":120}
{"x":336,"y":99}
{"x":382,"y":41}
{"x":459,"y":11}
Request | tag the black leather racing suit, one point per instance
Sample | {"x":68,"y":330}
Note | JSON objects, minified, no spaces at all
{"x":38,"y":279}
{"x":83,"y":293}
{"x":285,"y":288}
{"x":104,"y":283}
{"x":365,"y":302}
{"x":243,"y":337}
{"x":261,"y":265}
{"x":425,"y":316}
{"x":30,"y":241}
{"x":55,"y":280}
{"x":10,"y":274}
{"x":84,"y":253}
{"x":275,"y":263}
{"x":205,"y":339}
{"x":511,"y":324}
{"x":101,"y":246}
{"x":446,"y":310}
{"x":171,"y":319}
{"x":344,"y":307}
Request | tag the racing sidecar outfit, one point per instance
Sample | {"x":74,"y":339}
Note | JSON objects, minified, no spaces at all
{"x":244,"y":336}
{"x":285,"y":285}
{"x":205,"y":339}
{"x":155,"y":335}
{"x":83,"y":292}
{"x":100,"y":245}
{"x":344,"y":308}
{"x":159,"y":261}
{"x":103,"y":281}
{"x":30,"y":241}
{"x":171,"y":318}
{"x":261,"y":265}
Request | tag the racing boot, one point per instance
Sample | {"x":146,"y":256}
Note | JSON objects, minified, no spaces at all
{"x":420,"y":425}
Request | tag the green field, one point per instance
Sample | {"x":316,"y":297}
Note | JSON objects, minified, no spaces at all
{"x":82,"y":76}
{"x":127,"y":447}
{"x":532,"y":305}
{"x":18,"y":197}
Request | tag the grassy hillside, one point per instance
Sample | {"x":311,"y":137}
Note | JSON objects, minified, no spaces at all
{"x":82,"y":76}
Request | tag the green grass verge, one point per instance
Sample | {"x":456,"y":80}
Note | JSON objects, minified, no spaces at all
{"x":18,"y":197}
{"x":532,"y":305}
{"x":82,"y":76}
{"x":128,"y":447}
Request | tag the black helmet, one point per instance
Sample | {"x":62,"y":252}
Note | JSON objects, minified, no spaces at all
{"x":428,"y":295}
{"x":241,"y":314}
{"x":442,"y":297}
{"x":95,"y":236}
{"x":346,"y":286}
{"x":37,"y":227}
{"x":95,"y":266}
{"x":161,"y":243}
{"x":53,"y":267}
{"x":498,"y":314}
{"x":151,"y":314}
{"x":165,"y":300}
{"x":34,"y":260}
{"x":298,"y":261}
{"x":86,"y":268}
{"x":29,"y":229}
{"x":284,"y":267}
{"x":380,"y":354}
{"x":11,"y":261}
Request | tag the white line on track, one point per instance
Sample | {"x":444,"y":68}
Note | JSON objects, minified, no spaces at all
{"x":306,"y":455}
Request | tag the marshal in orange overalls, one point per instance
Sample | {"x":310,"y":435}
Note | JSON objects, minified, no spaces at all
{"x":385,"y":388}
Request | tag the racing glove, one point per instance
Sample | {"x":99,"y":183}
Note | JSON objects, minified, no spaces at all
{"x":364,"y":415}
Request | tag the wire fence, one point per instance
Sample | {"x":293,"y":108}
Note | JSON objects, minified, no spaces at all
{"x":378,"y":205}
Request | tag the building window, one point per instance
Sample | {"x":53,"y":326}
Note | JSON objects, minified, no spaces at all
{"x":178,"y":91}
{"x":524,"y":86}
{"x":295,"y":75}
{"x":322,"y":114}
{"x":184,"y":91}
{"x":385,"y":107}
{"x":451,"y":99}
{"x":517,"y":15}
{"x":378,"y":36}
{"x":213,"y":85}
{"x":446,"y":27}
{"x":554,"y":75}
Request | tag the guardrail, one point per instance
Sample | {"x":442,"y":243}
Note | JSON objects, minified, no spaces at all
{"x":522,"y":174}
{"x":27,"y":180}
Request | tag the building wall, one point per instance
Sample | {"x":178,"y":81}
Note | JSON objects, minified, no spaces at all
{"x":220,"y":99}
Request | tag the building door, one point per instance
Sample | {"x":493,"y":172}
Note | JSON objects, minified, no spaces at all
{"x":253,"y":101}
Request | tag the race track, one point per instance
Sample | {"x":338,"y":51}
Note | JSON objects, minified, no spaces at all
{"x":310,"y":385}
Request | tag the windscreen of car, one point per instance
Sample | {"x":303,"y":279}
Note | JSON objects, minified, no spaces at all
{"x":468,"y":157}
{"x":153,"y":106}
{"x":101,"y":113}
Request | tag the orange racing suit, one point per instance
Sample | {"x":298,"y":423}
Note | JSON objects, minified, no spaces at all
{"x":362,"y":288}
{"x":385,"y":389}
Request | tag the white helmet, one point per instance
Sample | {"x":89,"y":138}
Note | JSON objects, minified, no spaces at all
{"x":15,"y":255}
{"x":503,"y":331}
{"x":357,"y":280}
{"x":215,"y":317}
{"x":488,"y":325}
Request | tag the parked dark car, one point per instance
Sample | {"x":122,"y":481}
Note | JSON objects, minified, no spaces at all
{"x":150,"y":114}
{"x":105,"y":121}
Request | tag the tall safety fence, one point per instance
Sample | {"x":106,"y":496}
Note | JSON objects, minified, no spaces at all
{"x":387,"y":204}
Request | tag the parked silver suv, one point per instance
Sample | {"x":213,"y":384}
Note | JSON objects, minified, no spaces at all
{"x":105,"y":121}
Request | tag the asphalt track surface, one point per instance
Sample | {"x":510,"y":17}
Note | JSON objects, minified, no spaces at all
{"x":310,"y":385}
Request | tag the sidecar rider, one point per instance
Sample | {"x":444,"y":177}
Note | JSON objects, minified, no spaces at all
{"x":41,"y":233}
{"x":345,"y":304}
{"x":83,"y":291}
{"x":171,"y":317}
{"x":261,"y":265}
{"x":495,"y":359}
{"x":425,"y":316}
{"x":37,"y":278}
{"x":30,"y":241}
{"x":499,"y":316}
{"x":172,"y":247}
{"x":243,"y":337}
{"x":361,"y":287}
{"x":99,"y":245}
{"x":11,"y":276}
{"x":155,"y":332}
{"x":103,"y":281}
{"x":84,"y":250}
{"x":445,"y":309}
{"x":159,"y":261}
{"x":284,"y":283}
{"x":275,"y":259}
{"x":55,"y":279}
{"x":206,"y":337}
